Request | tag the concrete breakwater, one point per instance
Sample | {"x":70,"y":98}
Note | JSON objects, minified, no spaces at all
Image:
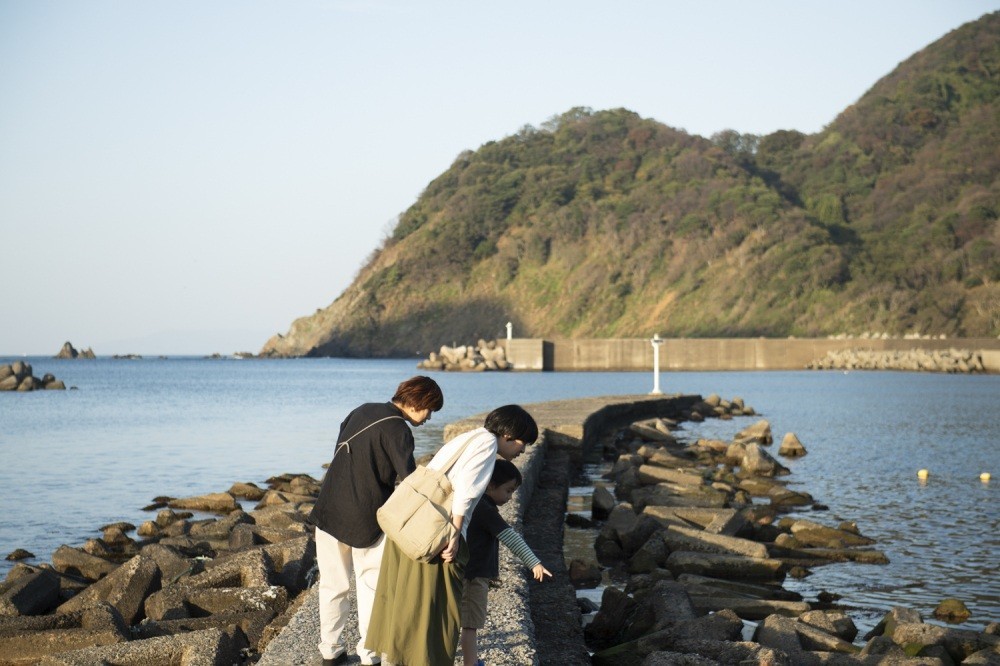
{"x":235,"y":588}
{"x":696,"y":535}
{"x":683,"y":354}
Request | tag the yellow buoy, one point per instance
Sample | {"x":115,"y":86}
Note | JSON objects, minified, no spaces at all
{"x":984,"y":477}
{"x":922,"y":474}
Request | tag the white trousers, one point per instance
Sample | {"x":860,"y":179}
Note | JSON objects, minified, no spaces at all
{"x":337,"y":563}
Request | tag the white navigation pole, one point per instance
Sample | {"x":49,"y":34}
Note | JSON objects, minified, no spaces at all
{"x":656,"y":342}
{"x":510,"y":328}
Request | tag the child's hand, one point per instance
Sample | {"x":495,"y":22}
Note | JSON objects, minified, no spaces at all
{"x":539,"y":572}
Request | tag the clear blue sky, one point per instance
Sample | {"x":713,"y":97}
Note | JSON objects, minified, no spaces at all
{"x":189,"y":176}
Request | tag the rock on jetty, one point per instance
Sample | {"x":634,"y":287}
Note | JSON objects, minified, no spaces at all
{"x":946,"y":360}
{"x":68,"y":351}
{"x":17,"y":376}
{"x":473,"y":358}
{"x":218,"y":587}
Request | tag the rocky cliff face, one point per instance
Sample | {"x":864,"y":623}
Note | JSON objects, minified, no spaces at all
{"x":605,"y":224}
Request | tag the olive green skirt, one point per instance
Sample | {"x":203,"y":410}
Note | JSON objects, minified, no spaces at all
{"x":416,"y":619}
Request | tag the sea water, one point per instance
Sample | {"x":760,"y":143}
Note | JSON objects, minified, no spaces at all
{"x":72,"y":461}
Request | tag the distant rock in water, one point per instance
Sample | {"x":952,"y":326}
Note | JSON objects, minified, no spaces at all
{"x":17,"y":376}
{"x":483,"y":356}
{"x":68,"y":351}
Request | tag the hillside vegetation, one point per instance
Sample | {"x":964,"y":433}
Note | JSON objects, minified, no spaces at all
{"x":606,"y":224}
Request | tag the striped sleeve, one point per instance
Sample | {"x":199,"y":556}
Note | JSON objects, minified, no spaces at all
{"x":513,"y":541}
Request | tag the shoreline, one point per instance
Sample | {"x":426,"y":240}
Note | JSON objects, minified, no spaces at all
{"x":568,"y":425}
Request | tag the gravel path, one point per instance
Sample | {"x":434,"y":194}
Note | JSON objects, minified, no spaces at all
{"x":507,"y":638}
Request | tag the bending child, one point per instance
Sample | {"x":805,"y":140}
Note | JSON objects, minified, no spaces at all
{"x":487,"y":530}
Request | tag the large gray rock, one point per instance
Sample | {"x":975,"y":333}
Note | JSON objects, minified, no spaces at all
{"x":29,"y":383}
{"x":816,"y":534}
{"x":836,"y":623}
{"x":746,"y":608}
{"x":671,"y":494}
{"x":602,"y":503}
{"x":664,"y":458}
{"x":791,"y":447}
{"x":253,"y":624}
{"x":651,"y":433}
{"x":650,"y":474}
{"x":607,"y":548}
{"x":689,"y":539}
{"x":759,"y":433}
{"x":180,"y":601}
{"x":819,"y":640}
{"x":609,"y":624}
{"x":212,"y":502}
{"x":671,"y":604}
{"x":778,"y":632}
{"x":249,"y":491}
{"x":75,"y":562}
{"x":28,"y":640}
{"x":209,"y":647}
{"x":125,"y":589}
{"x":732,"y":652}
{"x":665,"y":658}
{"x":21,"y":369}
{"x":172,"y":565}
{"x":960,"y":643}
{"x":725,"y":566}
{"x":633,"y":538}
{"x":33,"y":594}
{"x":887,"y":625}
{"x":651,"y":556}
{"x":759,"y":462}
{"x":252,"y":568}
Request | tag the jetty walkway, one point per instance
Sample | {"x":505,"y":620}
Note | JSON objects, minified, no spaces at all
{"x":509,"y":637}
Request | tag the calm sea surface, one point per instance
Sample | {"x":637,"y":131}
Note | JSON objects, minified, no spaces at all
{"x":71,"y":461}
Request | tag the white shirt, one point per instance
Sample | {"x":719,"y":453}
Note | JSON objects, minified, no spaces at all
{"x":471,"y":473}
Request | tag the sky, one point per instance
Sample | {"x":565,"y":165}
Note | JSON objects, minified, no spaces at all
{"x":189,"y":177}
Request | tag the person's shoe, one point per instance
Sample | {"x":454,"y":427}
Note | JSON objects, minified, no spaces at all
{"x":336,"y":661}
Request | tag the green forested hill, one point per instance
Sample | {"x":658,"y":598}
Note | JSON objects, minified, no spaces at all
{"x":605,"y":224}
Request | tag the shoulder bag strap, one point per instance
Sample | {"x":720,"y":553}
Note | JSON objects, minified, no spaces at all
{"x":454,"y":458}
{"x":347,"y":442}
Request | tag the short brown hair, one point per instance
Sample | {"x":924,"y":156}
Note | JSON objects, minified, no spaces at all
{"x":419,"y":393}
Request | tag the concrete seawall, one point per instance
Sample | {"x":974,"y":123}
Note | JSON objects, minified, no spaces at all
{"x":681,"y":354}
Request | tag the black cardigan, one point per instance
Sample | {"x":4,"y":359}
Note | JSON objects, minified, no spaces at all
{"x":363,"y":473}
